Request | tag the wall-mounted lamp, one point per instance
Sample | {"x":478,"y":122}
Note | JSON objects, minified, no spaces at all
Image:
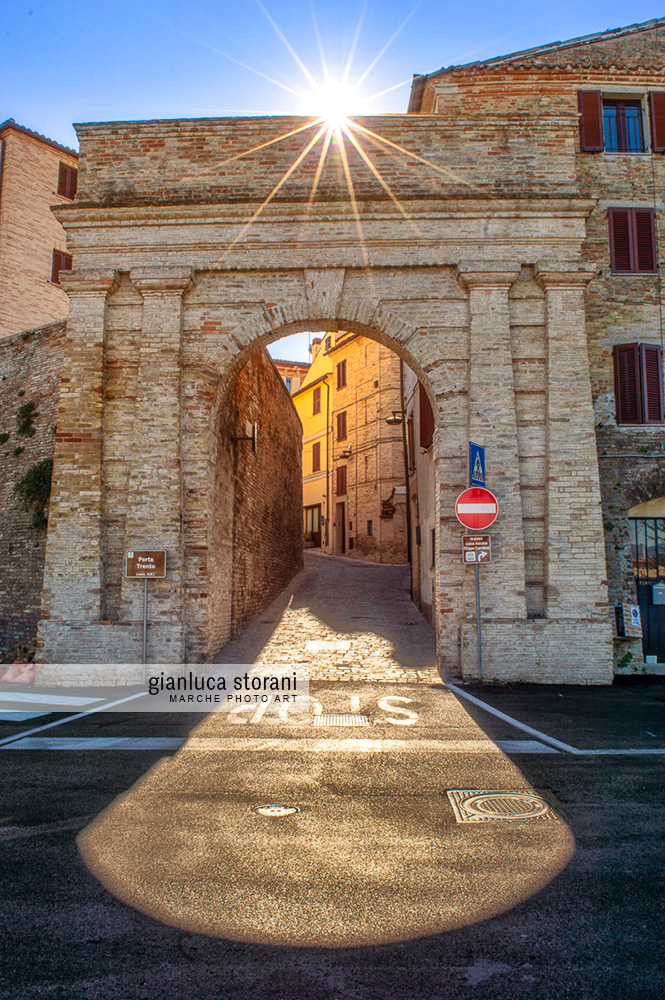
{"x":395,"y":420}
{"x":250,"y":435}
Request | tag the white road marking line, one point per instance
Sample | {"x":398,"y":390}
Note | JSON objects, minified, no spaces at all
{"x":513,"y":722}
{"x":35,"y":698}
{"x":98,"y":743}
{"x":21,"y":716}
{"x":524,"y":746}
{"x":16,"y":832}
{"x":70,"y":718}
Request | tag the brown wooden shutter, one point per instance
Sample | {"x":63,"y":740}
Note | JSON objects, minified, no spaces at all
{"x":644,"y":251}
{"x":316,"y":400}
{"x":341,"y":480}
{"x":316,"y":456}
{"x":627,"y":389}
{"x":657,"y":120}
{"x":426,"y":419}
{"x":620,"y":240}
{"x":591,"y":120}
{"x":341,"y":426}
{"x":652,"y":383}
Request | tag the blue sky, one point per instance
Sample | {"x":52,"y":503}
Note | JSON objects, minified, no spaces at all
{"x":87,"y":61}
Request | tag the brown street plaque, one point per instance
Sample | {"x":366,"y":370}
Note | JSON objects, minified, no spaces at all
{"x":476,"y":549}
{"x":145,"y":564}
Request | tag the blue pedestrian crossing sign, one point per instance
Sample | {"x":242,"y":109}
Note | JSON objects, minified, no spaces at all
{"x":476,"y":464}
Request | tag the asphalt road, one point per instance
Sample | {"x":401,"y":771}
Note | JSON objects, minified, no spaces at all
{"x":179,"y":889}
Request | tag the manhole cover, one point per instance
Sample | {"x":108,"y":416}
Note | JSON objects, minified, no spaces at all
{"x":481,"y":806}
{"x":341,"y":720}
{"x":274,"y":810}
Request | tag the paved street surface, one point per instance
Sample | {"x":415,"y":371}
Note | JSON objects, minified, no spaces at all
{"x":373,"y":887}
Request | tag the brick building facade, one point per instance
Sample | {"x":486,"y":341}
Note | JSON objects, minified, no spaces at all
{"x":35,"y":173}
{"x":354,"y":497}
{"x":505,"y":298}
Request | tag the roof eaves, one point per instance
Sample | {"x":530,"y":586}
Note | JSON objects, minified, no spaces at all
{"x":539,"y":50}
{"x":10,"y":124}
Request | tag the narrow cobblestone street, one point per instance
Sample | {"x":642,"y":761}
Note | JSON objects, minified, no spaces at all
{"x":349,"y":620}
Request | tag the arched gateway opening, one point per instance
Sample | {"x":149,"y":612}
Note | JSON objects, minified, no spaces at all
{"x":324,"y":463}
{"x":195,"y":243}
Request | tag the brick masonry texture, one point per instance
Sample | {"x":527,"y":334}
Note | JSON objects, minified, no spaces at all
{"x":30,"y":367}
{"x":502,"y":304}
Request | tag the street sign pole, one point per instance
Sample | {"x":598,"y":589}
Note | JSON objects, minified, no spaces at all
{"x":478,"y":629}
{"x":145,"y":564}
{"x":145,"y":626}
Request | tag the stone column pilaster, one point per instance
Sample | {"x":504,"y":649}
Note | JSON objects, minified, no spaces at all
{"x":155,"y":495}
{"x":575,"y":563}
{"x":73,"y":572}
{"x":492,"y":423}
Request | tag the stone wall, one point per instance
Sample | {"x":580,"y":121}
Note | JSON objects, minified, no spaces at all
{"x":30,"y":366}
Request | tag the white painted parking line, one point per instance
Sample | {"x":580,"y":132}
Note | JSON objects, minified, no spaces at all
{"x":524,"y":746}
{"x":20,"y":716}
{"x":35,"y":698}
{"x":513,"y":722}
{"x":97,"y":743}
{"x":70,"y":718}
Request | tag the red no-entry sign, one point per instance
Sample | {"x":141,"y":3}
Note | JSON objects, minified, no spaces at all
{"x":476,"y":508}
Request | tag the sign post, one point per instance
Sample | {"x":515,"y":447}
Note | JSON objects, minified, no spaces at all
{"x":477,"y":508}
{"x":145,"y":564}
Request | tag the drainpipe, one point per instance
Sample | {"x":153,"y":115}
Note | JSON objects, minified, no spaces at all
{"x":327,"y":462}
{"x":409,"y":552}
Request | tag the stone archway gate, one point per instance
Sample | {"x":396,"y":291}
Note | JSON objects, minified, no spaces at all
{"x":469,"y":271}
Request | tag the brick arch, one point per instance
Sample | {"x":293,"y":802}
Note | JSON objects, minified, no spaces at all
{"x":272,"y":324}
{"x":650,"y":488}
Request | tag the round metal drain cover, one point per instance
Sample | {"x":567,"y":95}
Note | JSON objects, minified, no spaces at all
{"x":506,"y":805}
{"x":274,"y":810}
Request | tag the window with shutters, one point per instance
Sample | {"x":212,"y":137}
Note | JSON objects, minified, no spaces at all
{"x":638,"y":384}
{"x":341,"y":480}
{"x":410,"y":444}
{"x":67,"y":181}
{"x":426,"y":419}
{"x":316,"y":456}
{"x":341,"y":426}
{"x":341,"y":375}
{"x":60,"y":262}
{"x":610,"y":123}
{"x":316,"y":400}
{"x":622,"y":126}
{"x":632,"y":240}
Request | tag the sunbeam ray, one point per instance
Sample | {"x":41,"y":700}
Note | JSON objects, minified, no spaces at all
{"x":354,"y":205}
{"x":395,"y":86}
{"x":319,"y":42}
{"x":388,"y":44}
{"x":384,"y":184}
{"x":296,"y":163}
{"x":254,"y":149}
{"x":287,"y":44}
{"x":354,"y":44}
{"x":251,"y":69}
{"x":315,"y":182}
{"x":428,"y":163}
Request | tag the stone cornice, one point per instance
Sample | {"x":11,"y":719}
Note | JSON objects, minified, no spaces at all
{"x":162,"y":279}
{"x":550,"y":273}
{"x":90,"y":280}
{"x":487,"y":274}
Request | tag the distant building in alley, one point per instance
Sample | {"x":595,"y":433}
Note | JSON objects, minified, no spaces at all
{"x":293,"y":373}
{"x":354,"y":493}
